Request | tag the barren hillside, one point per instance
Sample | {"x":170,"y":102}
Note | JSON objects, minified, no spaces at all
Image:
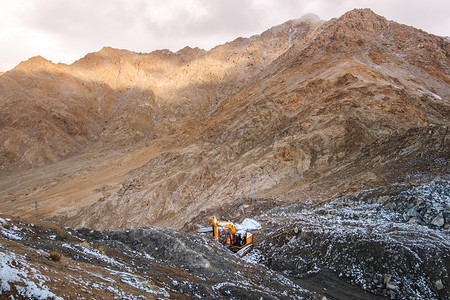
{"x":124,"y":139}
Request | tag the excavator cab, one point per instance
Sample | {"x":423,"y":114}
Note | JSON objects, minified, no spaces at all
{"x":240,"y":241}
{"x":240,"y":238}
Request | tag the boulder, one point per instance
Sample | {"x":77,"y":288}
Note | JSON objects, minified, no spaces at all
{"x":439,"y":285}
{"x":391,"y":287}
{"x":438,"y":221}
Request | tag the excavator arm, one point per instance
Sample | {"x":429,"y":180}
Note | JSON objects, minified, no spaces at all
{"x":226,"y":224}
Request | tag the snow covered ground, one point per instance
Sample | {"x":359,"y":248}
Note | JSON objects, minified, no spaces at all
{"x":16,"y":272}
{"x":370,"y":240}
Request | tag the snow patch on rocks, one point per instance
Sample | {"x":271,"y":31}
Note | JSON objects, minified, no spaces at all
{"x":15,"y":269}
{"x":366,"y":237}
{"x":248,"y":225}
{"x":9,"y":230}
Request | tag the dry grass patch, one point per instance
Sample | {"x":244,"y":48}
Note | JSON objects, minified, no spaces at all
{"x":55,"y":256}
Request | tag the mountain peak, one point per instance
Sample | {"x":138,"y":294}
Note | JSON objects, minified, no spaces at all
{"x":107,"y":49}
{"x":35,"y":63}
{"x":310,"y":20}
{"x":38,"y":59}
{"x":363,"y":20}
{"x":293,"y":30}
{"x":188,"y":51}
{"x":360,"y":12}
{"x":110,"y":51}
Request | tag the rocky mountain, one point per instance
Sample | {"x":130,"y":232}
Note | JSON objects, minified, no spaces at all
{"x":296,"y":119}
{"x":287,"y":114}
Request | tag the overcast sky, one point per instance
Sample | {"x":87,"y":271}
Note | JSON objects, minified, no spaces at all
{"x":66,"y":30}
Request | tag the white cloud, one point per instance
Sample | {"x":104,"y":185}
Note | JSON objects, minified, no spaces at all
{"x":64,"y":31}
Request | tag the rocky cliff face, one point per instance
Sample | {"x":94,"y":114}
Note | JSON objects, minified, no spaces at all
{"x":308,"y":110}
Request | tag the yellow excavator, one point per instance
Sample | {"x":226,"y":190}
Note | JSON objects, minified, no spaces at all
{"x":240,"y":241}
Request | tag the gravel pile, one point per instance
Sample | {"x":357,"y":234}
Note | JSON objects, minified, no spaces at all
{"x":395,"y":245}
{"x":425,"y":205}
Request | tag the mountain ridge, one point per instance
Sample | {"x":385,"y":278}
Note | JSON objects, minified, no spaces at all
{"x":162,"y":136}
